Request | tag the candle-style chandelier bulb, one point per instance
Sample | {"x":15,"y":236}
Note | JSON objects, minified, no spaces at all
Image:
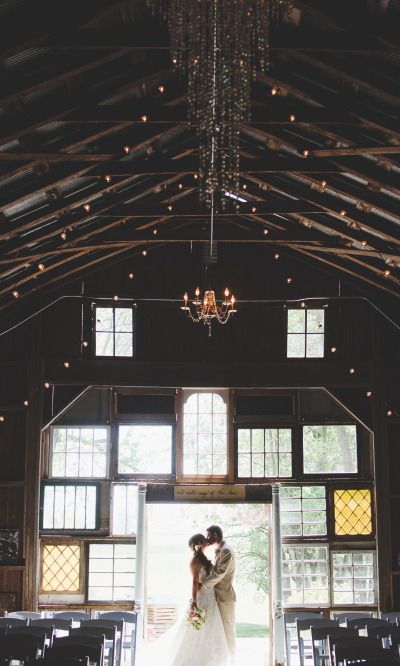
{"x":207,"y":310}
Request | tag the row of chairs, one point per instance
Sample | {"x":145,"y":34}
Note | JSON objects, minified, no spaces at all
{"x":68,"y":634}
{"x":298,"y":625}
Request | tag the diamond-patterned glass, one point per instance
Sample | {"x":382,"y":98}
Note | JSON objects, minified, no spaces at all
{"x":353,"y":514}
{"x":61,"y":568}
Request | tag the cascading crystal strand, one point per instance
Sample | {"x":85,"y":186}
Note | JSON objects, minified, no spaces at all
{"x":219,"y":45}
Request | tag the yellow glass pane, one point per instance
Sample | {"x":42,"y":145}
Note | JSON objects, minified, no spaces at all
{"x":352,"y":512}
{"x":60,"y":568}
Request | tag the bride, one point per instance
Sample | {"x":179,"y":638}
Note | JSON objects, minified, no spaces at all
{"x":182,"y":644}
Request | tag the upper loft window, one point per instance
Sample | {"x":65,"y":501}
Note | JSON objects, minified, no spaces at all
{"x":113,"y":331}
{"x":305,"y":333}
{"x":79,"y":452}
{"x":330,"y":449}
{"x":205,"y":433}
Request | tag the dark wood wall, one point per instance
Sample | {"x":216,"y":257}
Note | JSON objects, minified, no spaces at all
{"x":172,"y":351}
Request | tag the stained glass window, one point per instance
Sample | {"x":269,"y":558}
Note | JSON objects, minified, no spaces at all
{"x":353,"y":515}
{"x":61,"y":568}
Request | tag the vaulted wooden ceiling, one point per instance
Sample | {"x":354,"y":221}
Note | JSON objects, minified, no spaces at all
{"x":97,"y":159}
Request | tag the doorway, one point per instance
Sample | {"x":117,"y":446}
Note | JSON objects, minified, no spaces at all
{"x":168,"y":583}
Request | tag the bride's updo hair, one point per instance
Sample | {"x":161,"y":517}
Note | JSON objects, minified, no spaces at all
{"x":196,"y":540}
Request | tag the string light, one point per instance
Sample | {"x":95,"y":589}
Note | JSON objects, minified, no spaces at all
{"x":276,"y":255}
{"x":369,"y":394}
{"x":364,"y":243}
{"x":389,"y":412}
{"x":85,"y":343}
{"x":2,"y":419}
{"x":289,"y":280}
{"x":26,"y":403}
{"x":253,"y":209}
{"x":155,"y":232}
{"x":144,"y":118}
{"x":352,"y":371}
{"x":41,"y":267}
{"x":127,"y":149}
{"x":86,"y":207}
{"x":180,"y":186}
{"x":161,"y":89}
{"x":131,"y":276}
{"x":107,"y":179}
{"x":63,"y":235}
{"x":46,"y":385}
{"x":274,"y":90}
{"x":266,"y":232}
{"x":386,"y":273}
{"x":306,"y":152}
{"x":292,"y":118}
{"x":333,"y":349}
{"x":170,"y":208}
{"x":15,"y":293}
{"x":342,"y":213}
{"x":66,"y":364}
{"x":144,"y":253}
{"x":302,"y":304}
{"x":324,"y":184}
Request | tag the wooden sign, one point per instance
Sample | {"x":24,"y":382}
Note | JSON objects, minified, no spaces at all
{"x":210,"y":493}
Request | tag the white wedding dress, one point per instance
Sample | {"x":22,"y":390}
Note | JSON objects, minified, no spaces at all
{"x":182,"y":645}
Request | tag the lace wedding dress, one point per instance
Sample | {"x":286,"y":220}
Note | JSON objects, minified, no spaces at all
{"x":182,"y":645}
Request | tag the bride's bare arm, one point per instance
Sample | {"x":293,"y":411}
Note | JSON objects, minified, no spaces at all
{"x":195,"y":566}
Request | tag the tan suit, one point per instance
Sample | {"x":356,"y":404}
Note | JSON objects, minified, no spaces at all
{"x":220,"y":577}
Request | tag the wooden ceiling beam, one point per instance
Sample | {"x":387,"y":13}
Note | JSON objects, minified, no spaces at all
{"x":361,"y":150}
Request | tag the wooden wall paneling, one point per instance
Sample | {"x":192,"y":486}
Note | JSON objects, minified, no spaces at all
{"x":12,"y":446}
{"x":12,"y":506}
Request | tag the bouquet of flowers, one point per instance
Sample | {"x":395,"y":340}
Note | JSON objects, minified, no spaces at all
{"x":196,"y":617}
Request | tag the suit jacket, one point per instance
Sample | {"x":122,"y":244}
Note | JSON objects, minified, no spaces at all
{"x":221,"y":574}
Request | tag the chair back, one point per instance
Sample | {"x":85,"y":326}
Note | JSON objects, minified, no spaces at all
{"x":365,"y":622}
{"x":56,"y":622}
{"x":344,"y":640}
{"x":77,"y":616}
{"x":19,"y":647}
{"x":22,"y":615}
{"x":289,"y":618}
{"x":13,"y":622}
{"x":81,"y":646}
{"x":305,"y":626}
{"x":359,"y":653}
{"x":129,"y":631}
{"x":393,"y":617}
{"x":351,"y":615}
{"x":319,"y":640}
{"x":387,"y":661}
{"x":43,"y":634}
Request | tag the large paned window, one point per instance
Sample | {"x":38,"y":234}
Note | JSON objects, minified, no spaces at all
{"x":303,"y":511}
{"x":111,"y":572}
{"x":330,"y":449}
{"x":305,"y":575}
{"x":353,"y":575}
{"x":124,"y":509}
{"x":145,"y":449}
{"x":69,"y":507}
{"x":205,"y":433}
{"x":61,"y":564}
{"x":113,"y":331}
{"x":305,"y":333}
{"x":79,"y":452}
{"x":264,"y":452}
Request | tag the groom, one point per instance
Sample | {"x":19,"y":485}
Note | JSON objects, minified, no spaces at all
{"x":220,"y":576}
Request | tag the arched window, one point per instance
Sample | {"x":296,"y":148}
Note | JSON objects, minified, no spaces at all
{"x":205,"y":433}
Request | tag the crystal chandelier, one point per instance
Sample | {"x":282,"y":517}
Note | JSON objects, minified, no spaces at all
{"x":218,"y":45}
{"x":207,"y":310}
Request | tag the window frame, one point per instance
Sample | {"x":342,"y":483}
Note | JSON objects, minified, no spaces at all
{"x":305,"y":334}
{"x":114,"y":306}
{"x":80,"y":427}
{"x":262,"y":426}
{"x":309,"y":544}
{"x":227,"y":396}
{"x":303,"y":539}
{"x":61,"y":531}
{"x":309,"y":477}
{"x":126,"y":476}
{"x":346,"y":551}
{"x":60,"y":542}
{"x":113,"y":542}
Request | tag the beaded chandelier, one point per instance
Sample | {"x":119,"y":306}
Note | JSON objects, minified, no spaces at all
{"x":218,"y":45}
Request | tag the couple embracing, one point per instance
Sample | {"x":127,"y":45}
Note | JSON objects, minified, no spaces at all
{"x":211,"y":642}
